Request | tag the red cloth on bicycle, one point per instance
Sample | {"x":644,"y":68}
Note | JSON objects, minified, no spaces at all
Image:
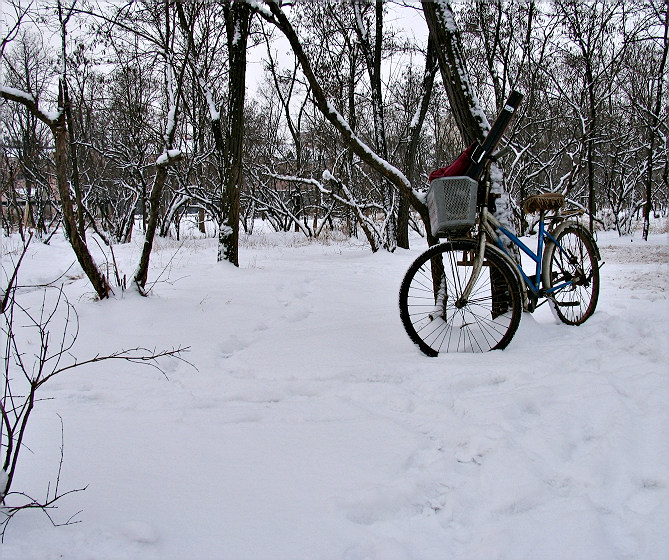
{"x":458,"y":167}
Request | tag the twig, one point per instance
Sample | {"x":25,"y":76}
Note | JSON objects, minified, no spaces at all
{"x":10,"y":285}
{"x":147,"y":291}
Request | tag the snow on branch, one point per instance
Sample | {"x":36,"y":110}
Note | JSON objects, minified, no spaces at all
{"x":29,"y":101}
{"x":259,"y":7}
{"x":394,"y":175}
{"x":167,"y":157}
{"x":446,"y":18}
{"x":214,"y":113}
{"x":359,"y":22}
{"x":342,"y":124}
{"x":370,"y":228}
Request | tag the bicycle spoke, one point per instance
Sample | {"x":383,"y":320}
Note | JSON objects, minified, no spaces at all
{"x":571,"y":266}
{"x":486,"y":320}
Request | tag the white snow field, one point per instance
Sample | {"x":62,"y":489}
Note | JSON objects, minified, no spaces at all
{"x":313,"y":429}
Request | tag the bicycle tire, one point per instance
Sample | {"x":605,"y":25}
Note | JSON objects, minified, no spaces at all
{"x":576,"y":267}
{"x":487,"y":321}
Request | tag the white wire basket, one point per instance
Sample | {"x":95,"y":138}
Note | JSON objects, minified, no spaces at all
{"x":451,"y":202}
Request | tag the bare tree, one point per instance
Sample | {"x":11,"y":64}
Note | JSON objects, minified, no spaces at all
{"x":588,"y":25}
{"x":56,"y":122}
{"x":24,"y":373}
{"x":160,"y":24}
{"x":469,"y":115}
{"x":27,"y":67}
{"x":275,"y":15}
{"x":372,"y":51}
{"x":657,"y":124}
{"x":413,"y":135}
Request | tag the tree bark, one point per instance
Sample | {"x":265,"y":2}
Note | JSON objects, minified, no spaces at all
{"x":329,"y":112}
{"x":238,"y":17}
{"x":70,"y":222}
{"x":464,"y":103}
{"x":58,"y":128}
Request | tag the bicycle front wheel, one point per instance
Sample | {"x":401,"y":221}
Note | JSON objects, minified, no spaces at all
{"x":570,"y":274}
{"x":438,"y":320}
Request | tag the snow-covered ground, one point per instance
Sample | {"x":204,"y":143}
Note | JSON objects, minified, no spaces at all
{"x":313,"y":429}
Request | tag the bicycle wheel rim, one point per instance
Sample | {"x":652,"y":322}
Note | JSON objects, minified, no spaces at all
{"x":433,"y":320}
{"x":576,"y":269}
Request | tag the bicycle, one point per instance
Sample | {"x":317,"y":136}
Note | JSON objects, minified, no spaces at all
{"x":467,"y":294}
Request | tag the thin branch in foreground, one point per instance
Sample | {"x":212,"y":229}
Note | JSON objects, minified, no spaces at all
{"x":26,"y":372}
{"x":49,"y":503}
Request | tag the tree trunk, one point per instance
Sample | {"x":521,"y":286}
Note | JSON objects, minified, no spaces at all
{"x":142,"y":272}
{"x":200,"y":221}
{"x":70,"y":222}
{"x":168,"y":157}
{"x":468,"y":113}
{"x":238,"y":17}
{"x":81,"y":224}
{"x":466,"y":108}
{"x":413,"y":142}
{"x":648,"y":203}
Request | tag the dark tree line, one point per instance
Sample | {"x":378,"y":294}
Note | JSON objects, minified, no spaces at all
{"x":142,"y":117}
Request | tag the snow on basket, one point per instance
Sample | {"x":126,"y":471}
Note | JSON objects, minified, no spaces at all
{"x":451,"y":202}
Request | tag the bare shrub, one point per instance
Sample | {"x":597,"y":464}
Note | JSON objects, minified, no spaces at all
{"x":39,"y":345}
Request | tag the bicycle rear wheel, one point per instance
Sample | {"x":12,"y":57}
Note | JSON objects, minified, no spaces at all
{"x":570,"y":274}
{"x":434,"y":283}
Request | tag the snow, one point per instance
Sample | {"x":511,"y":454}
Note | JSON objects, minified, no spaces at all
{"x":29,"y":100}
{"x":389,"y":168}
{"x":260,"y":7}
{"x":327,"y":176}
{"x":165,"y":157}
{"x":313,"y":428}
{"x":52,"y":116}
{"x":20,"y":94}
{"x":214,"y":114}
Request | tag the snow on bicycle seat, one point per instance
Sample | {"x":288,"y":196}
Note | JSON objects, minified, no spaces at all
{"x":546,"y":201}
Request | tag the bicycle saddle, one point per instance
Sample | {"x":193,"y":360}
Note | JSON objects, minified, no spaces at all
{"x":546,"y":201}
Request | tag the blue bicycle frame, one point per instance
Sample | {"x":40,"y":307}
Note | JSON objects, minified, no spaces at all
{"x":533,"y":283}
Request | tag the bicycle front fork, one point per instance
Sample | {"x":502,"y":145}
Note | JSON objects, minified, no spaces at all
{"x":477,"y":265}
